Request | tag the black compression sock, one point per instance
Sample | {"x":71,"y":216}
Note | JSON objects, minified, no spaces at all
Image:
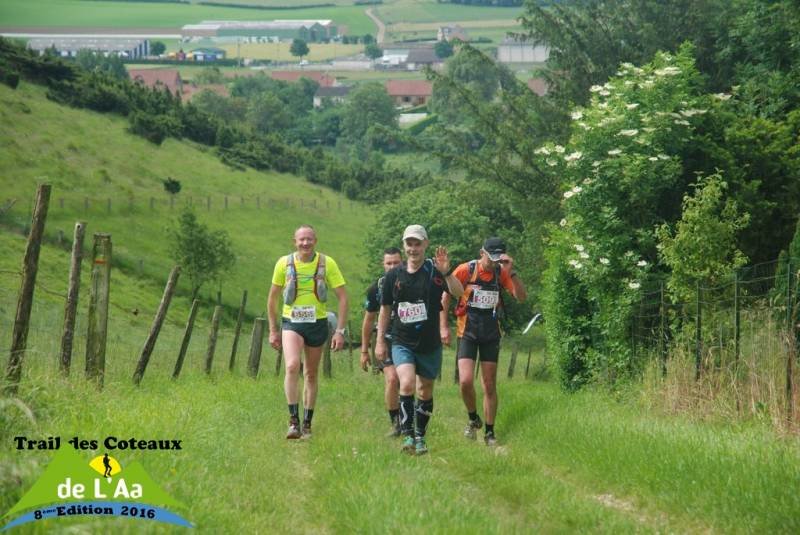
{"x":406,"y":414}
{"x":294,"y":410}
{"x":394,"y":414}
{"x":307,"y":415}
{"x":472,"y":416}
{"x":490,"y":429}
{"x":424,"y":412}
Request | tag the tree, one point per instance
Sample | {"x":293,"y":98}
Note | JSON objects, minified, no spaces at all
{"x":474,"y":75}
{"x":94,"y":62}
{"x":298,"y":48}
{"x":157,"y":48}
{"x":172,"y":186}
{"x":373,"y":51}
{"x":209,"y":75}
{"x":443,"y":49}
{"x":368,"y":106}
{"x":367,"y":39}
{"x":266,"y":113}
{"x":202,"y":254}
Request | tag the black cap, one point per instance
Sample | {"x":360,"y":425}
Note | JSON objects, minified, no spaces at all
{"x":494,"y":247}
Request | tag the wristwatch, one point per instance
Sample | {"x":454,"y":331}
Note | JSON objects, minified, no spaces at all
{"x":340,"y":331}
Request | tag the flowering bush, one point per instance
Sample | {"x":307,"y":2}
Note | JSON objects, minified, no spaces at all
{"x":623,"y":174}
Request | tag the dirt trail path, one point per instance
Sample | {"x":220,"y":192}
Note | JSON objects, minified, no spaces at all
{"x":381,"y":25}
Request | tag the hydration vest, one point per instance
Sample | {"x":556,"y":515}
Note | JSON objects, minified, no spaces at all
{"x":320,"y":287}
{"x":494,"y":285}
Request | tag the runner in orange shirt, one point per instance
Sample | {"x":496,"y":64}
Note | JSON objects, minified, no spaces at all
{"x":478,"y":328}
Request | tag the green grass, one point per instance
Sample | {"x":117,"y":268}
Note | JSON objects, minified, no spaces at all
{"x":87,"y":13}
{"x":422,"y":11}
{"x":87,"y":155}
{"x":568,"y":463}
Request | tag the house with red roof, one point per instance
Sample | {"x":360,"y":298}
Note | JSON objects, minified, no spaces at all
{"x":408,"y":93}
{"x":322,"y":78}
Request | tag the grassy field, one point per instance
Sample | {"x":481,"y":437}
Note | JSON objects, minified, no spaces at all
{"x":567,"y":463}
{"x":430,"y":11}
{"x":88,"y":13}
{"x":280,"y":51}
{"x":86,"y":155}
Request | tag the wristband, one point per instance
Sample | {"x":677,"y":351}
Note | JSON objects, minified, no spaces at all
{"x":339,"y":331}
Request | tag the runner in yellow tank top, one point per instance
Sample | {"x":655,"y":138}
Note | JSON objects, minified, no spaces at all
{"x":304,"y":323}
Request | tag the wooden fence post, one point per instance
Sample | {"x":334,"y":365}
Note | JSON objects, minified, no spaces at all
{"x":187,"y":335}
{"x":513,"y":362}
{"x":238,"y":329}
{"x":158,"y":321}
{"x":278,"y":362}
{"x":212,"y":338}
{"x":71,"y":305}
{"x":98,"y":309}
{"x":327,"y":365}
{"x":698,"y":328}
{"x":663,"y":331}
{"x":736,"y":319}
{"x":30,"y":266}
{"x":256,"y":343}
{"x":528,"y":364}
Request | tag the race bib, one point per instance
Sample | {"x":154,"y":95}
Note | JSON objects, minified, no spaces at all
{"x":411,"y":312}
{"x":484,"y":299}
{"x":304,"y":314}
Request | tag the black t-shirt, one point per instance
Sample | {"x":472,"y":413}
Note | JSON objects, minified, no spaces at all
{"x":407,"y":293}
{"x":373,"y":304}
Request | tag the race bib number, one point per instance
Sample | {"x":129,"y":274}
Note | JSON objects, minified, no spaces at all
{"x":411,"y":312}
{"x":484,"y":299}
{"x":304,"y":314}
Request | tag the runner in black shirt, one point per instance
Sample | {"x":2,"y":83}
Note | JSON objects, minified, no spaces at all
{"x":413,"y":293}
{"x":391,"y":259}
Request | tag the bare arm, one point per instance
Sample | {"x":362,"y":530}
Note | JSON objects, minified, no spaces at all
{"x":383,"y":325}
{"x":366,"y":334}
{"x":444,"y":327}
{"x":272,"y":315}
{"x":518,"y":289}
{"x":337,"y":340}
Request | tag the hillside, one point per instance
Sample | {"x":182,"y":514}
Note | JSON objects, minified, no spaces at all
{"x":92,"y":161}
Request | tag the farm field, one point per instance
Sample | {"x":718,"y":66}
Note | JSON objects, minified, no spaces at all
{"x":416,"y":12}
{"x":280,"y":51}
{"x":88,"y":13}
{"x":91,"y":160}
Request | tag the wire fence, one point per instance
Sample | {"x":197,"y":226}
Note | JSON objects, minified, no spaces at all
{"x":736,"y":340}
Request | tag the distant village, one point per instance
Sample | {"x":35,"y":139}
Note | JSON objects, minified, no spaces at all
{"x":198,"y":46}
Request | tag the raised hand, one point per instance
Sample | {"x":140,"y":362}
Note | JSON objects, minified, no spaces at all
{"x":442,"y":259}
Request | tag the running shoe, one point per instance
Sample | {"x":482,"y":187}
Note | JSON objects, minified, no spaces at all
{"x":408,"y":445}
{"x":306,"y":432}
{"x":420,"y":448}
{"x":490,"y":440}
{"x":472,"y":427}
{"x":294,"y":429}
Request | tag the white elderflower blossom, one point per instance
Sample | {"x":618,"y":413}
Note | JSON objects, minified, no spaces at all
{"x":596,"y":88}
{"x":692,"y":111}
{"x":667,"y":71}
{"x":587,"y":181}
{"x":576,"y":115}
{"x":568,"y":194}
{"x":628,"y":254}
{"x":632,"y":106}
{"x":663,"y":156}
{"x":563,"y":223}
{"x":577,"y":189}
{"x":629,"y":133}
{"x":542,"y":150}
{"x":559,"y":149}
{"x":551,"y":162}
{"x":605,"y":261}
{"x":578,"y":247}
{"x":614,"y":152}
{"x":648,"y":83}
{"x":634,"y":285}
{"x":604,"y":93}
{"x":722,"y":96}
{"x":596,"y":163}
{"x":584,"y":255}
{"x":682,"y":122}
{"x":641,"y":263}
{"x":653,"y":158}
{"x":573,"y":156}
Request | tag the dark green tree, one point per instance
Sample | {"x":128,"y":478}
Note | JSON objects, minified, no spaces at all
{"x":443,"y":49}
{"x":203,"y":254}
{"x":299,"y":48}
{"x":157,"y":48}
{"x":373,"y":51}
{"x":368,"y":106}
